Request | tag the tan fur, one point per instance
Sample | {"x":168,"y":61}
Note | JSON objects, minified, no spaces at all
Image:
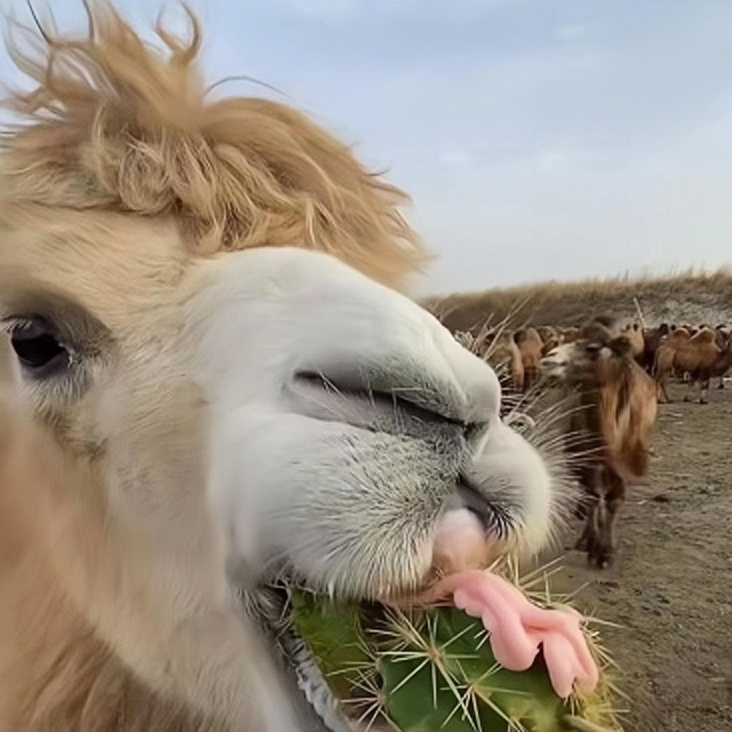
{"x":612,"y":426}
{"x":628,"y":409}
{"x":530,"y":348}
{"x":119,"y":127}
{"x":54,"y":673}
{"x":497,"y":347}
{"x":634,"y":334}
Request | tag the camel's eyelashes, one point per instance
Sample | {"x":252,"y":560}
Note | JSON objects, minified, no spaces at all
{"x":37,"y":347}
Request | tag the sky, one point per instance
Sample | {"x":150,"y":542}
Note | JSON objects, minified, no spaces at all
{"x":538,"y":139}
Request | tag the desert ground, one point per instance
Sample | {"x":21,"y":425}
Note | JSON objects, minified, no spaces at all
{"x":670,"y":588}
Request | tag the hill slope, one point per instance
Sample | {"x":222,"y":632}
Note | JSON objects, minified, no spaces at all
{"x":688,"y":297}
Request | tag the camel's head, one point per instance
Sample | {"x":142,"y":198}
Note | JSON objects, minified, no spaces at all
{"x":238,"y":412}
{"x":586,"y":360}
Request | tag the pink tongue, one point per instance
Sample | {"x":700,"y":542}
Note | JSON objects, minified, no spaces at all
{"x":517,"y":628}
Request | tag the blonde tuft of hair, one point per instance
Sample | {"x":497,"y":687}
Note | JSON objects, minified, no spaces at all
{"x":114,"y":123}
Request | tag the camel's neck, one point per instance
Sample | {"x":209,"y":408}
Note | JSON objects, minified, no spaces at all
{"x":54,"y":673}
{"x":74,"y":683}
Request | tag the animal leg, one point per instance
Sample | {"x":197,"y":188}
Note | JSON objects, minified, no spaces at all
{"x":601,"y":524}
{"x":703,"y":391}
{"x":662,"y":393}
{"x":689,"y":391}
{"x":531,"y":376}
{"x":586,"y":506}
{"x":580,"y":509}
{"x":606,"y":554}
{"x":583,"y":542}
{"x":590,"y":539}
{"x":721,"y":383}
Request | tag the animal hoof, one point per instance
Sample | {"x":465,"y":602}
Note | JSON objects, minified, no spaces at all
{"x":600,"y":561}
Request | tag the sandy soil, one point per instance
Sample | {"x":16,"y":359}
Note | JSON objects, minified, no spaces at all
{"x":671,"y":585}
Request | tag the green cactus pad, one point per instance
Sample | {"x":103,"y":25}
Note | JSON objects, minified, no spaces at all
{"x":434,"y":671}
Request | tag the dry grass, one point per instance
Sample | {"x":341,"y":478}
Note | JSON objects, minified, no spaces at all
{"x":691,"y":296}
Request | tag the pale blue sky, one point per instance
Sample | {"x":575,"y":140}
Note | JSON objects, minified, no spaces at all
{"x":538,"y":138}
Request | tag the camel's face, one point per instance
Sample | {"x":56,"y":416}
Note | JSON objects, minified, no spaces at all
{"x":585,"y":360}
{"x":556,"y":363}
{"x":325,"y":423}
{"x":262,"y":412}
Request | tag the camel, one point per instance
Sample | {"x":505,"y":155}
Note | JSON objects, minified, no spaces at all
{"x":704,"y":355}
{"x":497,"y":347}
{"x":530,"y":348}
{"x":652,"y":339}
{"x":634,"y":333}
{"x":569,"y":334}
{"x":215,"y":385}
{"x":722,"y":337}
{"x":611,"y":424}
{"x":550,"y":337}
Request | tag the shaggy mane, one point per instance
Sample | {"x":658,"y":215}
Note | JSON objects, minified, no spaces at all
{"x":119,"y":125}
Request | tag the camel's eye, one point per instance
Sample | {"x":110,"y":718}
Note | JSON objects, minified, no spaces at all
{"x":38,"y":348}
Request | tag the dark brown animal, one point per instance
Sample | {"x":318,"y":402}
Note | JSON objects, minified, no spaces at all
{"x":652,"y":339}
{"x":611,"y":428}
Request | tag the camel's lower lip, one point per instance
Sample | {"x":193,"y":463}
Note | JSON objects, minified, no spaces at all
{"x":437,"y":593}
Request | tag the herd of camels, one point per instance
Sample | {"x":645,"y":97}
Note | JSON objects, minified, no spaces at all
{"x":695,"y":354}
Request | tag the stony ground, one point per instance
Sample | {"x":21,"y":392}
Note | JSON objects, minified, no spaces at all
{"x":671,"y":586}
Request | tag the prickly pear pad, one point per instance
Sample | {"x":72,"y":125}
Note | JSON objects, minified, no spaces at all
{"x":430,"y":669}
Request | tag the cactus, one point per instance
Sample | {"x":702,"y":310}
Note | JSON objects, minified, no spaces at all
{"x":431,"y":670}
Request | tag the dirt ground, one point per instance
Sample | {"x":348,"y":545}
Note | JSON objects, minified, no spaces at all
{"x":671,"y":585}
